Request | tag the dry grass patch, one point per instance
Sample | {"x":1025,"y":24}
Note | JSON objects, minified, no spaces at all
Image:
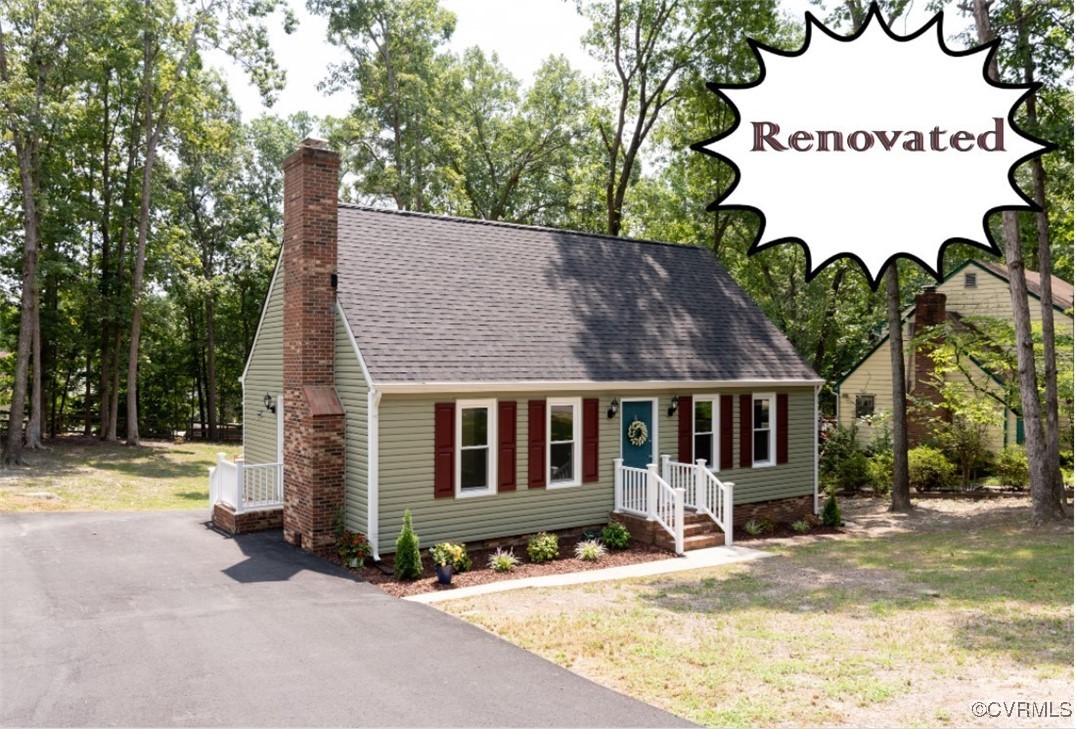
{"x":77,"y":474}
{"x":908,"y":628}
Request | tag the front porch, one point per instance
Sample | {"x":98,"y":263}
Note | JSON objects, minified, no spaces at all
{"x":246,"y":497}
{"x":677,"y":507}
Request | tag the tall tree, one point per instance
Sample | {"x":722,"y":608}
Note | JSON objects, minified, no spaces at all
{"x":1044,"y":504}
{"x":394,"y":61}
{"x":645,"y":44}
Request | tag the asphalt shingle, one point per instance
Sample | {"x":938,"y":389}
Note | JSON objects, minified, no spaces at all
{"x":437,"y":299}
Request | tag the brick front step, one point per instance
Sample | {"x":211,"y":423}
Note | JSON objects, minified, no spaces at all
{"x":700,"y":531}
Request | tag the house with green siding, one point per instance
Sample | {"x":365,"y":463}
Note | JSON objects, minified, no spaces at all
{"x":500,"y":380}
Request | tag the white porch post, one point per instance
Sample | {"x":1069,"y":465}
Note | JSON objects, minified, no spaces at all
{"x":727,"y":508}
{"x":665,"y":458}
{"x":700,"y":486}
{"x":651,"y":491}
{"x":678,"y":511}
{"x":618,"y":485}
{"x":239,"y":485}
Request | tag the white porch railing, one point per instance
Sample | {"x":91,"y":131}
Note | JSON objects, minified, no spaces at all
{"x":644,"y":493}
{"x":705,"y":492}
{"x":245,"y":487}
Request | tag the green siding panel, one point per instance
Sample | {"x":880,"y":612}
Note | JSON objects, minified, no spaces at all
{"x":353,"y":393}
{"x":406,"y":470}
{"x":265,"y":373}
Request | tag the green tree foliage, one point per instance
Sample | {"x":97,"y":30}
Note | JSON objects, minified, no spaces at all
{"x":407,"y":564}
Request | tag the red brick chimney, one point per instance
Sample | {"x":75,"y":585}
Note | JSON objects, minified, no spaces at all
{"x":313,"y":417}
{"x":929,"y":311}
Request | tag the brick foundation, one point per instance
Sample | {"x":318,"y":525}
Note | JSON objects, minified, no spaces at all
{"x":225,"y":519}
{"x":778,"y":510}
{"x":313,"y":416}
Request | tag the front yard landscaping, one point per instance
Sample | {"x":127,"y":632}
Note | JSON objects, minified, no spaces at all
{"x":902,"y":620}
{"x":83,"y":474}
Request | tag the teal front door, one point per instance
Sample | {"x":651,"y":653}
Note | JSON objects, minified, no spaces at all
{"x":637,"y":433}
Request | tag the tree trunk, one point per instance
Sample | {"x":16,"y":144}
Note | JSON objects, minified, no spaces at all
{"x":901,"y":494}
{"x":37,"y":395}
{"x":1042,"y":225}
{"x":211,"y":370}
{"x":1044,"y":505}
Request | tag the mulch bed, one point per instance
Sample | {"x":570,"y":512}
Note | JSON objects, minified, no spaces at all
{"x":481,"y":574}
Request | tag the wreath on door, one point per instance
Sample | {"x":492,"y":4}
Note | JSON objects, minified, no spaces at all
{"x":637,"y":433}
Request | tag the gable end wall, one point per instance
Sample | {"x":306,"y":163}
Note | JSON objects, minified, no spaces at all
{"x":265,"y":373}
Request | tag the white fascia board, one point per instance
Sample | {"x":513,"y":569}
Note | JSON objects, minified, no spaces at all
{"x":265,"y":308}
{"x":419,"y":388}
{"x":355,"y":346}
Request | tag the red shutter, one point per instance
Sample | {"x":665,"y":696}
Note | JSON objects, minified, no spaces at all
{"x":746,"y":431}
{"x":444,"y":450}
{"x":590,"y":440}
{"x":536,"y":476}
{"x":506,"y":445}
{"x":782,"y":427}
{"x":726,"y":431}
{"x":686,"y":439}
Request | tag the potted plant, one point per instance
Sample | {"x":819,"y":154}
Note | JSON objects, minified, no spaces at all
{"x":353,"y":548}
{"x":445,"y":556}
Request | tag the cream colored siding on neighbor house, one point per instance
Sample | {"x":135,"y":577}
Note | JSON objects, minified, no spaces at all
{"x":406,"y":471}
{"x":352,"y":390}
{"x":990,"y":297}
{"x":265,"y":374}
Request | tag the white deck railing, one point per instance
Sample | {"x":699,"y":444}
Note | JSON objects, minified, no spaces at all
{"x":245,"y":487}
{"x":644,"y":493}
{"x":714,"y":498}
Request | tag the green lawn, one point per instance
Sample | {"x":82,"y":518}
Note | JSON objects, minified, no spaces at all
{"x":905,"y":629}
{"x":86,"y":475}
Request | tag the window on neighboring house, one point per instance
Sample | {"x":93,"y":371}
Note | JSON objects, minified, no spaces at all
{"x":864,"y":406}
{"x":763,"y":430}
{"x":476,"y":426}
{"x":969,"y":280}
{"x":706,"y":430}
{"x":564,"y":452}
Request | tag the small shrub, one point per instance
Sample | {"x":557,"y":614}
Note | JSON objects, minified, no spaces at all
{"x":616,"y":536}
{"x":929,"y":469}
{"x":801,"y":526}
{"x":880,"y":468}
{"x":543,"y":547}
{"x":408,"y":562}
{"x":831,"y":512}
{"x":1011,"y":467}
{"x":464,"y":563}
{"x":590,"y":551}
{"x":852,"y":471}
{"x":501,"y":561}
{"x":760,"y":525}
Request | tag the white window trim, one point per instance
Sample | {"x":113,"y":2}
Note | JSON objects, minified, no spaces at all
{"x":491,"y":444}
{"x":577,"y":434}
{"x":772,"y":397}
{"x":715,"y":425}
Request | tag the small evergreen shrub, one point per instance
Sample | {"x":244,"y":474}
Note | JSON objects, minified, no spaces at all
{"x":929,"y":469}
{"x":1010,"y":467}
{"x":589,"y":551}
{"x":616,"y":536}
{"x":801,"y":526}
{"x":543,"y":547}
{"x":408,"y":562}
{"x":831,"y":512}
{"x":501,"y":561}
{"x":753,"y":527}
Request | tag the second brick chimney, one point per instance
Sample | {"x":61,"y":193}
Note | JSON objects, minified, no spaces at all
{"x":313,"y":416}
{"x":929,"y":311}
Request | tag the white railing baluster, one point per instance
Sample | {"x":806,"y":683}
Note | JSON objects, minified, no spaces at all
{"x":727,"y":515}
{"x":678,"y":519}
{"x":618,"y":485}
{"x":700,"y":485}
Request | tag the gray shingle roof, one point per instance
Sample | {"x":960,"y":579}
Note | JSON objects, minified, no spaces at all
{"x":435,"y":299}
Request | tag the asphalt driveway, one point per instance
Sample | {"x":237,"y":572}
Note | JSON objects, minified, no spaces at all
{"x":151,"y":619}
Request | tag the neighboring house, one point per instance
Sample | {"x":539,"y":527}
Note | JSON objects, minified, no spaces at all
{"x":973,"y":289}
{"x":498,"y":380}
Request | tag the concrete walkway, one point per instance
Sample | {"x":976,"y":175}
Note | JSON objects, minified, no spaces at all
{"x":697,"y":559}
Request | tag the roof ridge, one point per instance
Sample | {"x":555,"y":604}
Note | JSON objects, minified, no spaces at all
{"x":519,"y":226}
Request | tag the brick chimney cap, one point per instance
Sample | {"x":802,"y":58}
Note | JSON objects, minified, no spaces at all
{"x":314,"y":143}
